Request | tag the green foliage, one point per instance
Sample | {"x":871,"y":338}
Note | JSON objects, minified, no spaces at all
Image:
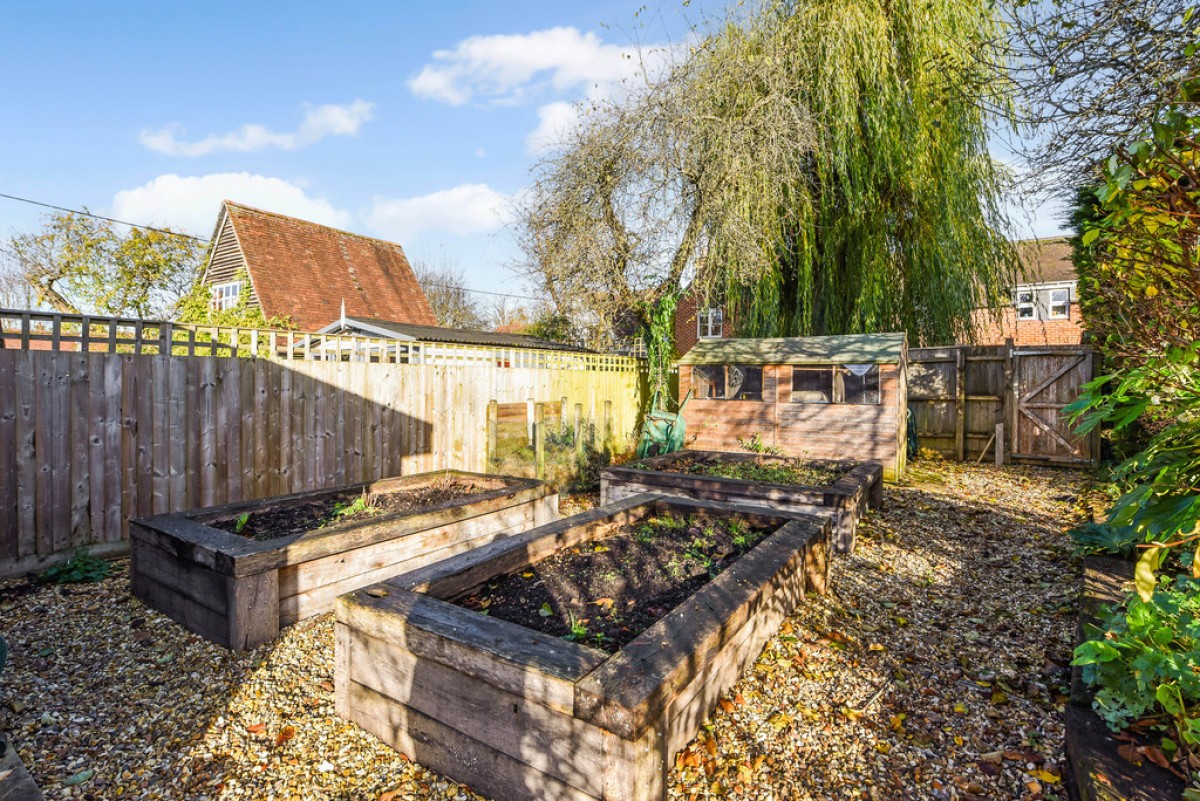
{"x":551,"y":327}
{"x":82,"y":265}
{"x":1145,"y":657}
{"x":241,"y":522}
{"x":578,"y":630}
{"x":1142,"y":300}
{"x":754,"y":444}
{"x":898,"y":223}
{"x":81,"y":568}
{"x":1105,"y":538}
{"x":196,"y":307}
{"x":363,"y":504}
{"x":795,"y":473}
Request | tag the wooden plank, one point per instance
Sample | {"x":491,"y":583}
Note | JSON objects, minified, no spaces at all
{"x":178,"y":433}
{"x":442,"y":749}
{"x":97,"y":465}
{"x":550,"y":741}
{"x":27,"y":476}
{"x":114,"y":430}
{"x":160,"y":465}
{"x":180,"y":575}
{"x":253,"y":603}
{"x":43,"y":409}
{"x":9,"y":534}
{"x":540,"y":668}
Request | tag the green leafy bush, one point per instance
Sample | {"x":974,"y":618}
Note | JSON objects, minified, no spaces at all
{"x":1146,"y":656}
{"x":1105,"y":538}
{"x":82,"y":567}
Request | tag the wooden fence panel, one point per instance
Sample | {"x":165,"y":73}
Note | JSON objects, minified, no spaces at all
{"x":90,"y":439}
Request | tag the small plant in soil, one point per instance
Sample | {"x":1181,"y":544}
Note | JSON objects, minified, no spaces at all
{"x":364,"y":504}
{"x":605,"y":592}
{"x":82,"y":567}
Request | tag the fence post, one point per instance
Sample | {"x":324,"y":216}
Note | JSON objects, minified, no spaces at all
{"x":579,"y":429}
{"x":1008,"y":406}
{"x":960,"y":404}
{"x":493,"y":422}
{"x":608,"y":429}
{"x":539,"y":441}
{"x":164,"y":339}
{"x":529,"y":418}
{"x":999,"y":444}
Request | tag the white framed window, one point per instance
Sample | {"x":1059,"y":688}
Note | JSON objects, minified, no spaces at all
{"x":709,"y":323}
{"x":1026,"y":304}
{"x":225,"y":296}
{"x":1060,"y":304}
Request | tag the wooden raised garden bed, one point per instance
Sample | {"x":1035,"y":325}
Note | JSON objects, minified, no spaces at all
{"x":518,"y":713}
{"x":296,"y":553}
{"x":841,"y":489}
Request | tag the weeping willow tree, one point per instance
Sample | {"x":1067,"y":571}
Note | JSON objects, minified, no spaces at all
{"x":898,"y":223}
{"x":820,"y":166}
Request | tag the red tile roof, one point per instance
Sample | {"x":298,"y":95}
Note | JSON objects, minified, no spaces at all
{"x":1045,"y":261}
{"x":305,"y":271}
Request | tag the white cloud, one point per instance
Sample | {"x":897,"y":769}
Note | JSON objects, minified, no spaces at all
{"x":462,"y":211}
{"x":191,"y":203}
{"x":554,"y":121}
{"x":318,"y":123}
{"x":503,"y":68}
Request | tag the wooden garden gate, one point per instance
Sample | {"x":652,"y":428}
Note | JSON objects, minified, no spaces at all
{"x":1044,"y":381}
{"x":958,"y":395}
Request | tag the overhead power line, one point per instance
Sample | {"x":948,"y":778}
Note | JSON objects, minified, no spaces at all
{"x":199,"y":239}
{"x":101,"y":217}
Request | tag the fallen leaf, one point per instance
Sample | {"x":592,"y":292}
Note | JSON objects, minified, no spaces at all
{"x":378,"y":592}
{"x":1046,"y":776}
{"x":285,"y":734}
{"x":1156,"y":755}
{"x":256,"y":728}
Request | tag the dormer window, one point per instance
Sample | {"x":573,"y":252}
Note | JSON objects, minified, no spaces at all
{"x":709,"y":323}
{"x":226,"y":295}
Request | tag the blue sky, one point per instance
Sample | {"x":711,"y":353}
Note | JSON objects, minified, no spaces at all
{"x":408,"y":121}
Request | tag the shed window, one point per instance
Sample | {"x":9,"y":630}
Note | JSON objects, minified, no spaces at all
{"x":709,"y":323}
{"x":860,"y":383}
{"x":728,"y":382}
{"x":856,"y":384}
{"x":812,"y":385}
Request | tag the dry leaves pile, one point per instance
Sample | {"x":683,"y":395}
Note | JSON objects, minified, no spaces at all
{"x":935,"y":672}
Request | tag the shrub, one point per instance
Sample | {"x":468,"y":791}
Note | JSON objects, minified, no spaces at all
{"x":82,"y":567}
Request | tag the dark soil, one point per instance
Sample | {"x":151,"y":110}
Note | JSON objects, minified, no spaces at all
{"x":347,"y":507}
{"x":608,"y":591}
{"x":798,"y":472}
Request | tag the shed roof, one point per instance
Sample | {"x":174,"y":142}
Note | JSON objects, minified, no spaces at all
{"x":844,"y":349}
{"x":431,"y":333}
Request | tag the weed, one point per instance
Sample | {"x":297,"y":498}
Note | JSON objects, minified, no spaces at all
{"x":82,"y":567}
{"x":578,"y":629}
{"x":645,"y":533}
{"x":242,"y":520}
{"x":366,"y":504}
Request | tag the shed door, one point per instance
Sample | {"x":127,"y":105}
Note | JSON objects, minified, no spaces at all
{"x":1044,"y":381}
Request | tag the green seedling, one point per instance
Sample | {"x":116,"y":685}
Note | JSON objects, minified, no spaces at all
{"x":578,"y":629}
{"x":242,"y":520}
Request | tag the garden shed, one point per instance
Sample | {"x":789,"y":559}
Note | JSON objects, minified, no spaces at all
{"x":833,"y":397}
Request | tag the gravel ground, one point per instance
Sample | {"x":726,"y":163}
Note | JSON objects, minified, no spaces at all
{"x":936,"y":671}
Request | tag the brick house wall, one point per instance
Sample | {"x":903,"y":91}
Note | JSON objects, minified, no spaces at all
{"x":990,"y":331}
{"x":686,"y":334}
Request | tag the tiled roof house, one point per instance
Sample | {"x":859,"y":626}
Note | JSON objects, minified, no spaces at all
{"x":306,"y":272}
